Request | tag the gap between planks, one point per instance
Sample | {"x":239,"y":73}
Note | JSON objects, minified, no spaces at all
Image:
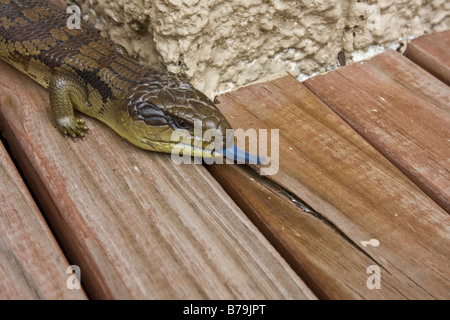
{"x":27,"y":245}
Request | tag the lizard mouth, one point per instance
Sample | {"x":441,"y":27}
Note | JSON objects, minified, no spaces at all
{"x":232,"y":152}
{"x":179,"y":148}
{"x":203,"y":148}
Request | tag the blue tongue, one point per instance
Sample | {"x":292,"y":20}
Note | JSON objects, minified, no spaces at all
{"x":234,"y":153}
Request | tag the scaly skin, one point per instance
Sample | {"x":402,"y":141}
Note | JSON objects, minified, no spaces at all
{"x":88,"y":73}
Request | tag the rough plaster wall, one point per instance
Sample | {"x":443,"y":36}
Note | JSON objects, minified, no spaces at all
{"x":223,"y":44}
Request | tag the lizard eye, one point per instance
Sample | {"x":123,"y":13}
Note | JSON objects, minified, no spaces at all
{"x":182,"y":123}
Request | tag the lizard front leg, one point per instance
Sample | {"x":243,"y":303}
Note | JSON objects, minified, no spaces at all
{"x":66,"y":92}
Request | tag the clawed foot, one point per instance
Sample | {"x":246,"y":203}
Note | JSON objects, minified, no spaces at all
{"x":72,"y":127}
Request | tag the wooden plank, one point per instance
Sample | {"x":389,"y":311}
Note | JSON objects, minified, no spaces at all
{"x":401,"y":110}
{"x":355,"y":193}
{"x":137,"y":224}
{"x":331,"y":265}
{"x":32,"y":266}
{"x":432,"y":52}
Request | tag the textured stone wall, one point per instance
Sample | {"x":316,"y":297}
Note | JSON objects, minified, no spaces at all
{"x":223,"y":44}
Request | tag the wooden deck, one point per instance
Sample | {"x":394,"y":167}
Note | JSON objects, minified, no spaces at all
{"x":363,"y":182}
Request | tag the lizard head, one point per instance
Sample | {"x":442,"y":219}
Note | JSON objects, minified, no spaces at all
{"x":162,"y":112}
